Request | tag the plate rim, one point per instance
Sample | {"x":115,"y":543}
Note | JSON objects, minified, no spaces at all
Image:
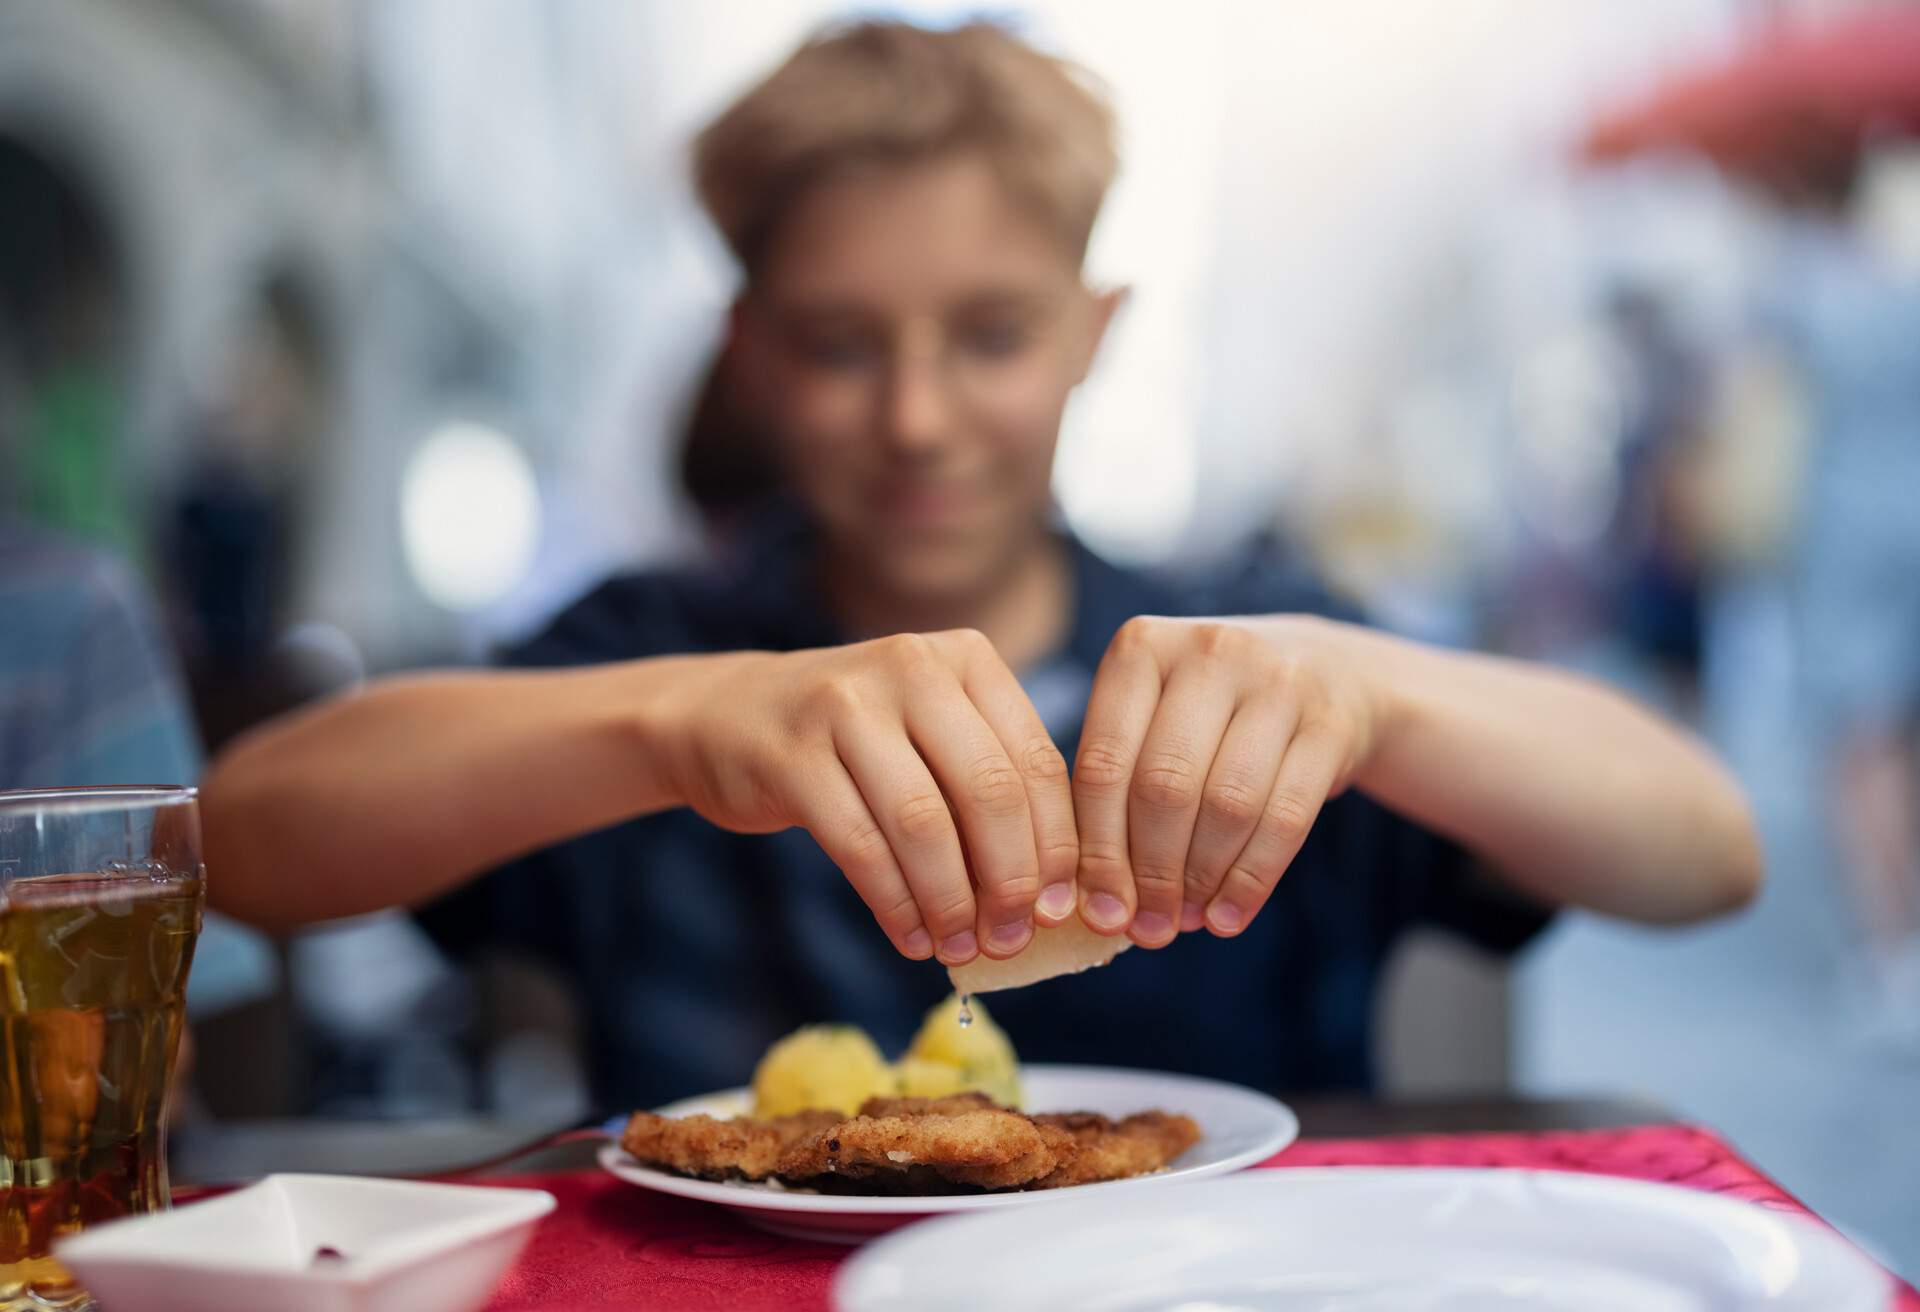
{"x":1285,"y":1130}
{"x":867,"y":1264}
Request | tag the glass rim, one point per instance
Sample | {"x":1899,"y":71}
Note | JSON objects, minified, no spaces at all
{"x":94,"y":798}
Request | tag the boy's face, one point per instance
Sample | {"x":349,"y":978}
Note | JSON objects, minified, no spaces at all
{"x":911,"y":338}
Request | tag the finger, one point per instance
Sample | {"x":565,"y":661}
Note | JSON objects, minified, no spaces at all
{"x":1307,"y":772}
{"x":1126,"y":688}
{"x":1244,"y":772}
{"x":1164,"y":798}
{"x":837,"y":816}
{"x":989,"y":801}
{"x":903,"y":797}
{"x":1004,"y":705}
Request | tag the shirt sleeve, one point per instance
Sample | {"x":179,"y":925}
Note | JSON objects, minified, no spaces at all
{"x":526,"y":906}
{"x":1427,"y":879}
{"x":516,"y":907}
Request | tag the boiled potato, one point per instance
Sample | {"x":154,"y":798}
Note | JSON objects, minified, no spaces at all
{"x":829,"y":1067}
{"x":981,"y":1052}
{"x":922,"y":1078}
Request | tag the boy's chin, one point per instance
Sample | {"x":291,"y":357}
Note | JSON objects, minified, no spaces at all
{"x":933,"y":575}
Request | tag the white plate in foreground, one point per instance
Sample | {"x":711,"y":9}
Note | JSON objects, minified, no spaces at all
{"x":1238,"y":1127}
{"x":1364,"y":1239}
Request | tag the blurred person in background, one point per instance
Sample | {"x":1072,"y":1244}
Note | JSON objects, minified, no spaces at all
{"x":1851,"y":323}
{"x":91,"y":696}
{"x":89,"y":692}
{"x":1653,"y":543}
{"x":685,"y":788}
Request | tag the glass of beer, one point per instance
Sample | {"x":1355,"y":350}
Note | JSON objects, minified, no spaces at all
{"x":100,"y":893}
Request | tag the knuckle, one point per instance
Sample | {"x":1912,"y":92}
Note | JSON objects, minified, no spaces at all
{"x":1167,"y":784}
{"x":948,"y":910}
{"x":923,"y":818}
{"x":834,"y":698}
{"x":1104,"y":763}
{"x":1328,"y":724}
{"x":866,"y":846}
{"x":1303,"y":681}
{"x":910,"y":652}
{"x":1060,"y":856}
{"x":1212,"y":638}
{"x":1200,"y":884}
{"x":1155,"y":879}
{"x":1248,"y":882}
{"x":1041,"y":761}
{"x":995,"y":788}
{"x":1230,"y":802}
{"x":1288,"y":670}
{"x":1289,"y":816}
{"x":1013,"y":891}
{"x":897,"y":911}
{"x":1100,"y":856}
{"x":971,"y":641}
{"x":1136,"y":634}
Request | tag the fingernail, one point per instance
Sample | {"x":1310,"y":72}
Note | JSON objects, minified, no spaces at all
{"x":1056,"y":901}
{"x":959,"y":948}
{"x":1192,"y":916}
{"x":1105,"y":911}
{"x":919,"y":944}
{"x":1012,"y":936}
{"x":1225,"y":917}
{"x":1152,"y":926}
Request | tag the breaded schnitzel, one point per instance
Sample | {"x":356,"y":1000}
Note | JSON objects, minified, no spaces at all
{"x":962,"y":1142}
{"x":719,"y":1150}
{"x":1115,"y":1150}
{"x":994,"y":1149}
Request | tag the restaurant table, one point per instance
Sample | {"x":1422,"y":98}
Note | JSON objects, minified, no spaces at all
{"x":609,"y":1244}
{"x":228,"y":1152}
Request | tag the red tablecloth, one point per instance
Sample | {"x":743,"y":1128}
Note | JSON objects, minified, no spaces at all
{"x":610,"y":1245}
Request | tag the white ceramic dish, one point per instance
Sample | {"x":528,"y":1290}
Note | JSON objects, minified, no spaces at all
{"x":1374,"y":1240}
{"x":1238,"y":1127}
{"x":406,"y":1246}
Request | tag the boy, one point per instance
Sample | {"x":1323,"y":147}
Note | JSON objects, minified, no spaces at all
{"x":910,"y":210}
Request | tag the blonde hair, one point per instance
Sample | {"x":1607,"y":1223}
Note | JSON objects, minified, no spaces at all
{"x":889,"y":93}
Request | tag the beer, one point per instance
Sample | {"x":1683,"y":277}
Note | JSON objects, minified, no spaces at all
{"x":93,"y":975}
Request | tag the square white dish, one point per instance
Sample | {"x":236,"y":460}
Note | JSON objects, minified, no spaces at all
{"x":403,"y":1246}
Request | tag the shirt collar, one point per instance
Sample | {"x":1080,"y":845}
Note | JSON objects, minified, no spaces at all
{"x":776,"y":585}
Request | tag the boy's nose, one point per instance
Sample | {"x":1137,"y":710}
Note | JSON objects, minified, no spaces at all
{"x":918,"y":404}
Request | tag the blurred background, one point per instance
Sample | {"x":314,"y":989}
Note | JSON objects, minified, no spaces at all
{"x":365,"y":332}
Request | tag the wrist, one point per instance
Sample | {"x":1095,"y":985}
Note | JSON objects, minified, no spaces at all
{"x":676,"y":711}
{"x":648,"y":705}
{"x":1384,"y":673}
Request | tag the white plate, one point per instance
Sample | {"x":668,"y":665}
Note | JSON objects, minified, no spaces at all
{"x":1238,"y":1127}
{"x":406,"y":1247}
{"x":1362,"y":1239}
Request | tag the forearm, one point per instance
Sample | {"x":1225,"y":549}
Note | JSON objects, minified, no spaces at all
{"x":1570,"y":791}
{"x":395,"y":794}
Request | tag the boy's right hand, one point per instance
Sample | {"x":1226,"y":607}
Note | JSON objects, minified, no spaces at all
{"x":917,"y":763}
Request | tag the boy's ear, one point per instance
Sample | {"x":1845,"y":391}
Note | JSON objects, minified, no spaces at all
{"x":1105,"y":304}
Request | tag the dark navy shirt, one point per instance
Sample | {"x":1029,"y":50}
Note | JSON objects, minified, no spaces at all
{"x":692,"y":949}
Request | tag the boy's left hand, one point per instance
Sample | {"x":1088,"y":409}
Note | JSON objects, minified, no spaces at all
{"x":1208,"y":749}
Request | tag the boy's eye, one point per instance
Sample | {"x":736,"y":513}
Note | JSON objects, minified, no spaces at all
{"x":835,"y":350}
{"x":994,"y":340}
